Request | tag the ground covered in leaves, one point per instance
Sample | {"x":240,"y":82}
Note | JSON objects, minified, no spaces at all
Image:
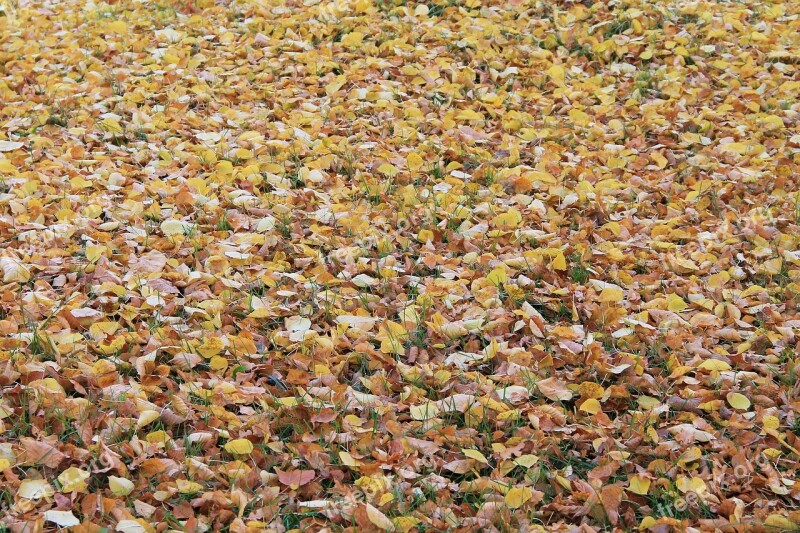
{"x":355,"y":265}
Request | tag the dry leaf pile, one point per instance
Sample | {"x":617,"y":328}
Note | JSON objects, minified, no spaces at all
{"x":377,"y":265}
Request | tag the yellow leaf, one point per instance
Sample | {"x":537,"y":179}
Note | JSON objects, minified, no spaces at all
{"x":120,"y":486}
{"x":560,"y":262}
{"x":675,"y":303}
{"x":424,"y":411}
{"x":510,"y":219}
{"x":188,"y":487}
{"x":738,"y":401}
{"x":591,"y":406}
{"x":718,"y":280}
{"x":647,"y":521}
{"x":379,"y":519}
{"x":392,"y":336}
{"x":517,"y":496}
{"x":590,"y":389}
{"x":771,"y":267}
{"x":497,"y":276}
{"x":425,"y":235}
{"x":557,"y":74}
{"x":771,"y":422}
{"x":693,"y":484}
{"x":639,"y":485}
{"x":578,"y":117}
{"x":239,"y":447}
{"x":35,"y":489}
{"x":111,"y":347}
{"x":611,"y":295}
{"x":526,"y":461}
{"x":714,"y":365}
{"x":155,"y":437}
{"x":469,"y":114}
{"x":79,"y":182}
{"x":414,"y":161}
{"x":404,"y":524}
{"x":118,"y":26}
{"x":73,"y":480}
{"x":111,"y":125}
{"x":217,"y":363}
{"x":349,"y":460}
{"x":14,"y":270}
{"x":743,"y":148}
{"x":779,"y":523}
{"x":353,"y":38}
{"x":475,"y":454}
{"x":93,"y":253}
{"x":100,"y":330}
{"x":147,"y":416}
{"x":690,"y":456}
{"x":211,"y":346}
{"x":387,"y":169}
{"x":772,"y":122}
{"x":659,"y":159}
{"x":7,"y":167}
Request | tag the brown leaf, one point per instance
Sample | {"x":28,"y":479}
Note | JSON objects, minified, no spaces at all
{"x":295,"y":479}
{"x":41,"y":452}
{"x":611,"y":497}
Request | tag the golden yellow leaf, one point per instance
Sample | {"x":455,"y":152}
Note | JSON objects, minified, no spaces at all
{"x":591,"y":406}
{"x":693,"y":484}
{"x":714,"y":365}
{"x":639,"y":484}
{"x":771,"y":422}
{"x":414,"y":161}
{"x":559,"y":262}
{"x":388,"y":169}
{"x":73,"y":480}
{"x":527,"y":460}
{"x":120,"y":486}
{"x":611,"y":295}
{"x":425,"y":235}
{"x":738,"y":401}
{"x":93,"y":253}
{"x":475,"y":454}
{"x":468,"y":114}
{"x":497,"y":276}
{"x":404,"y":524}
{"x":353,"y":38}
{"x":675,"y":303}
{"x":510,"y":219}
{"x":348,"y":459}
{"x":188,"y":487}
{"x":147,"y":416}
{"x":557,"y":74}
{"x":239,"y":447}
{"x":516,"y":497}
{"x":424,"y":411}
{"x":111,"y":125}
{"x":210,"y":347}
{"x":117,"y":26}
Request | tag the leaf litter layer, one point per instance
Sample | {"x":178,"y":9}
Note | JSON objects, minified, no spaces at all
{"x":362,"y":265}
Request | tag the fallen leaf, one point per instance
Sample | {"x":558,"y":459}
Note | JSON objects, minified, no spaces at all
{"x":295,"y":479}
